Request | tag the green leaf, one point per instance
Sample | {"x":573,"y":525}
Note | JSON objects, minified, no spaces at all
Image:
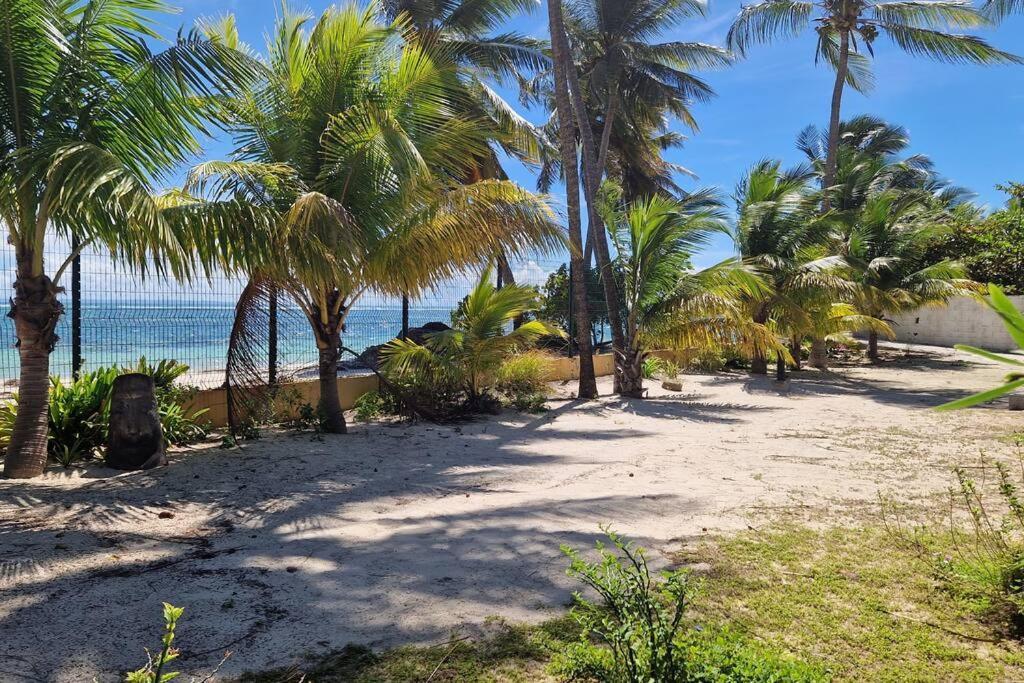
{"x":982,"y":397}
{"x":987,"y":354}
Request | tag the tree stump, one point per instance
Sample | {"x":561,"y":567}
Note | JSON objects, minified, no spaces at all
{"x":136,"y":441}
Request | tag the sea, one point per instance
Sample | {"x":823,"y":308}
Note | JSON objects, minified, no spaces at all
{"x":197,"y":333}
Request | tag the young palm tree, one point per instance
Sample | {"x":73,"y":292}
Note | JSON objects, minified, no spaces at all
{"x":353,"y":141}
{"x":562,"y":65}
{"x":90,"y":117}
{"x":847,"y":31}
{"x":666,"y":301}
{"x":778,"y":235}
{"x":472,"y":351}
{"x":886,"y":246}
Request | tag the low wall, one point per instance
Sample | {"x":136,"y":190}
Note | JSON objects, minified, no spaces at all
{"x":965,"y":320}
{"x":351,"y":387}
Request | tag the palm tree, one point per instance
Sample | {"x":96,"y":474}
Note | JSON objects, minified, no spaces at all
{"x":471,"y":353}
{"x":886,"y":245}
{"x":887,"y":209}
{"x":847,"y":31}
{"x":90,"y":117}
{"x":778,"y":235}
{"x":562,"y":66}
{"x":625,"y":65}
{"x":666,"y":301}
{"x":464,"y":31}
{"x":353,"y":143}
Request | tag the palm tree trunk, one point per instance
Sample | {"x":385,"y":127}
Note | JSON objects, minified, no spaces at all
{"x":796,"y":350}
{"x":593,"y":172}
{"x":831,"y":158}
{"x":632,"y":381}
{"x":331,"y":415}
{"x":819,"y":354}
{"x":780,"y":367}
{"x":758,"y":361}
{"x":35,"y":310}
{"x":873,"y":345}
{"x":567,"y":145}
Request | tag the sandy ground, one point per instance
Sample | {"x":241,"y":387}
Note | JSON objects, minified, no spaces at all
{"x":401,"y":533}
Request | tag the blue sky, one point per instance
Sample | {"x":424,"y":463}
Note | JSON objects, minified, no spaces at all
{"x":969,"y":120}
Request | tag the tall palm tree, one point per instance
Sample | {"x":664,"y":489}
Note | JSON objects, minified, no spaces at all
{"x":353,"y":142}
{"x":666,"y":301}
{"x":90,"y":117}
{"x":619,"y":61}
{"x":778,"y":234}
{"x":847,"y":31}
{"x":562,"y":66}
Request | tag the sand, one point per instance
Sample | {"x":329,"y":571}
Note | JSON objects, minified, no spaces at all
{"x":401,"y":533}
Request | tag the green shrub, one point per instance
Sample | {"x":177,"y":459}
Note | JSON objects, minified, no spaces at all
{"x":639,"y":632}
{"x":79,"y":412}
{"x":659,"y":367}
{"x":630,"y":637}
{"x":987,"y":565}
{"x":154,"y":671}
{"x":374,"y":405}
{"x":522,"y":380}
{"x":454,"y":372}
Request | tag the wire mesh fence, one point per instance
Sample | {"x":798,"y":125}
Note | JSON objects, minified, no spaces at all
{"x":122,"y":316}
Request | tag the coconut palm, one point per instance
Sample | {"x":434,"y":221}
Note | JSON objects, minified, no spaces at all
{"x":471,"y":353}
{"x":847,"y":31}
{"x":91,"y":115}
{"x":778,"y":235}
{"x":885,"y":244}
{"x":351,"y":140}
{"x":666,"y":302}
{"x":465,"y":31}
{"x":562,"y":66}
{"x":1000,"y":9}
{"x":620,"y":63}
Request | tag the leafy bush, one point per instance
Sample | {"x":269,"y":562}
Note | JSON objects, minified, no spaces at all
{"x":638,"y":624}
{"x":79,"y":412}
{"x":639,"y":633}
{"x":659,"y":367}
{"x":376,"y":404}
{"x":522,"y":380}
{"x":981,"y":558}
{"x":454,"y":372}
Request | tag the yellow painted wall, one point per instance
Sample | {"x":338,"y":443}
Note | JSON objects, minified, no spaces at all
{"x":354,"y":386}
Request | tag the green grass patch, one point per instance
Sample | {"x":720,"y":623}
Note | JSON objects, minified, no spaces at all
{"x":784,"y":604}
{"x":859,"y":602}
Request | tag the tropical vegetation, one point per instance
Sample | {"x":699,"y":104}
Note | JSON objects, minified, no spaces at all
{"x":352,"y":142}
{"x":96,"y":107}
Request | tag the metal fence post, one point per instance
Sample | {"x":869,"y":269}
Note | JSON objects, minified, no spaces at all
{"x":405,"y":317}
{"x":272,"y":341}
{"x":76,"y":309}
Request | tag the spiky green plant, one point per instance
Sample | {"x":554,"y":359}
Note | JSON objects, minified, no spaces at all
{"x":666,"y":301}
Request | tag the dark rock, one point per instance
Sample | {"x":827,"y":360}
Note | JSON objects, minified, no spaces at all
{"x":369,"y":357}
{"x":136,"y":441}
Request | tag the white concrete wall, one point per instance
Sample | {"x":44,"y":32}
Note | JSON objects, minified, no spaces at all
{"x":963,"y":321}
